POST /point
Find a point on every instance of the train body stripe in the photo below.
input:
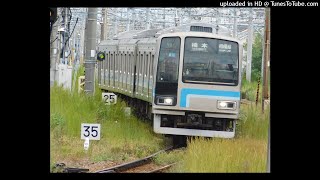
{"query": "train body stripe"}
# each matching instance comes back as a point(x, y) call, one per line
point(187, 93)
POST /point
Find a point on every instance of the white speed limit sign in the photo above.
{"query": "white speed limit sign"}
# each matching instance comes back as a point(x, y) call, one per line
point(109, 98)
point(91, 131)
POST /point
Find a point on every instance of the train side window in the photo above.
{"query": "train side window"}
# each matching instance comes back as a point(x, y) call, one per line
point(111, 57)
point(129, 61)
point(124, 69)
point(111, 69)
point(117, 62)
point(152, 65)
point(137, 71)
point(147, 69)
point(140, 71)
point(143, 67)
point(106, 67)
point(130, 68)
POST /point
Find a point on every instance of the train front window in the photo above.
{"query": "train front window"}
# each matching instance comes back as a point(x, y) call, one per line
point(168, 62)
point(167, 71)
point(212, 61)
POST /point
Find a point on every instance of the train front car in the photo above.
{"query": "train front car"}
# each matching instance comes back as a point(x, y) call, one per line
point(197, 84)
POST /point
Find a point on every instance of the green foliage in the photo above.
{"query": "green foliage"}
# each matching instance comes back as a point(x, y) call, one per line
point(68, 109)
point(56, 120)
point(256, 57)
point(170, 157)
point(257, 52)
point(253, 123)
point(249, 90)
point(224, 155)
point(257, 48)
point(247, 152)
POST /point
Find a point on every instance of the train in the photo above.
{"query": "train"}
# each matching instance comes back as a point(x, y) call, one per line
point(185, 79)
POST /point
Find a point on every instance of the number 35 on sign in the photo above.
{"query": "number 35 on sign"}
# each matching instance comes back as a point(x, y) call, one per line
point(109, 98)
point(91, 131)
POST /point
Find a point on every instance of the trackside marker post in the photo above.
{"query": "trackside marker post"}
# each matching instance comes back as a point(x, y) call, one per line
point(89, 132)
point(86, 144)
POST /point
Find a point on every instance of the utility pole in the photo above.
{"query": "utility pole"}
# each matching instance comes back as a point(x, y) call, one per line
point(164, 18)
point(64, 35)
point(180, 16)
point(235, 23)
point(115, 30)
point(91, 35)
point(176, 19)
point(265, 75)
point(249, 47)
point(53, 52)
point(59, 44)
point(133, 18)
point(262, 62)
point(189, 14)
point(266, 57)
point(128, 19)
point(78, 48)
point(85, 32)
point(120, 19)
point(105, 24)
point(148, 18)
point(102, 25)
point(217, 20)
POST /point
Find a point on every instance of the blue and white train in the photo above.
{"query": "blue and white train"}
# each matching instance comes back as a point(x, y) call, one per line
point(186, 79)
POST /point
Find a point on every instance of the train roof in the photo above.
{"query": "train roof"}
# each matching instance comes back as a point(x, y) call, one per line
point(197, 26)
point(154, 33)
point(137, 34)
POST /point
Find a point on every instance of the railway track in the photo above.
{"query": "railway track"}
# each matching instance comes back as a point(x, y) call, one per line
point(161, 169)
point(138, 165)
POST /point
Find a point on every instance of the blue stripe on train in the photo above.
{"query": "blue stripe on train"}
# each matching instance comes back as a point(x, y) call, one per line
point(204, 92)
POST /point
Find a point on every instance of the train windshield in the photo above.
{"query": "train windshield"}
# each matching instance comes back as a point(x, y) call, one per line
point(168, 62)
point(211, 61)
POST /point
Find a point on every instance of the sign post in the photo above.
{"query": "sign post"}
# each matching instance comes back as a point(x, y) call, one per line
point(109, 98)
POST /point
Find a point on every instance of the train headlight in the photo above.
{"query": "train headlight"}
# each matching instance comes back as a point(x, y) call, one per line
point(168, 101)
point(229, 105)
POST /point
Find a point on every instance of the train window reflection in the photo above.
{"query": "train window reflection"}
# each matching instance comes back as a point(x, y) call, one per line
point(168, 62)
point(209, 60)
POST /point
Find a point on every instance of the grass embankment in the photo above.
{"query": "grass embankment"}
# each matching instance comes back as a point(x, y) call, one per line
point(123, 137)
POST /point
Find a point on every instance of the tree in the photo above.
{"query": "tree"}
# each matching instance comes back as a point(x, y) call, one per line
point(256, 57)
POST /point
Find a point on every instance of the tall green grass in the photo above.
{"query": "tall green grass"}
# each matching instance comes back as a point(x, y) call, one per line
point(225, 155)
point(247, 152)
point(122, 137)
point(125, 138)
point(253, 123)
point(249, 90)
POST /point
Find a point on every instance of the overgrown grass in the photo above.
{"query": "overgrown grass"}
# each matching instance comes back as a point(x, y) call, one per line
point(253, 123)
point(170, 157)
point(122, 137)
point(225, 155)
point(125, 138)
point(249, 90)
point(247, 152)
